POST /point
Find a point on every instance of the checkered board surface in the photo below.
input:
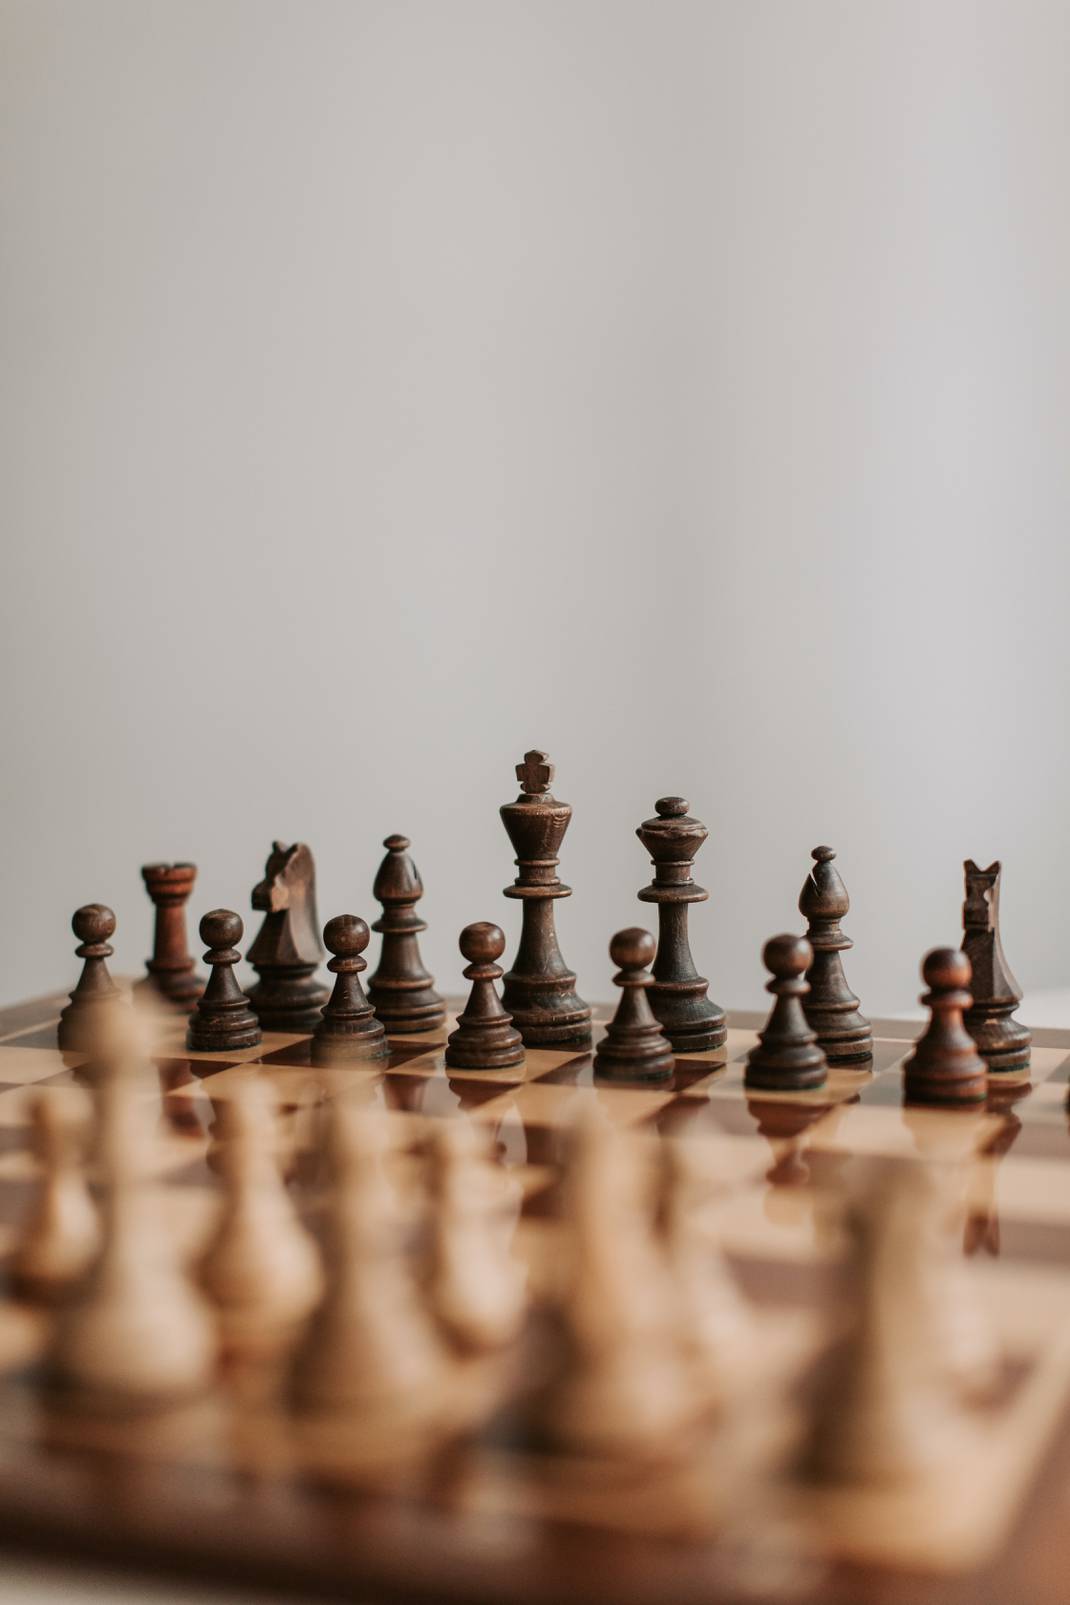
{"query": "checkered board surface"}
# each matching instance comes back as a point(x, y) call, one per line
point(782, 1162)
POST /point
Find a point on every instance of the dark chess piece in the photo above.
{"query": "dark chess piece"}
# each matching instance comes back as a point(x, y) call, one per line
point(170, 970)
point(81, 1023)
point(540, 990)
point(401, 990)
point(945, 1066)
point(286, 952)
point(484, 1038)
point(678, 993)
point(1002, 1040)
point(787, 1057)
point(348, 1029)
point(633, 1048)
point(831, 1008)
point(222, 1020)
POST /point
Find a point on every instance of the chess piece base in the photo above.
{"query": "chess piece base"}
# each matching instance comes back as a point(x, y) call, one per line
point(223, 1038)
point(463, 1054)
point(363, 1047)
point(694, 1041)
point(842, 1039)
point(537, 1031)
point(797, 1070)
point(690, 1020)
point(857, 1054)
point(1003, 1042)
point(951, 1091)
point(285, 1001)
point(642, 1056)
point(407, 1014)
point(557, 1020)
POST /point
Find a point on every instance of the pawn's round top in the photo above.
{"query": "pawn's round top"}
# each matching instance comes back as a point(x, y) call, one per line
point(396, 843)
point(945, 968)
point(221, 927)
point(787, 956)
point(93, 922)
point(633, 949)
point(346, 935)
point(823, 855)
point(671, 807)
point(482, 943)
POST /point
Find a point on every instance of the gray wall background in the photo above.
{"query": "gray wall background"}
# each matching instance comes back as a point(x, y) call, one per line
point(389, 387)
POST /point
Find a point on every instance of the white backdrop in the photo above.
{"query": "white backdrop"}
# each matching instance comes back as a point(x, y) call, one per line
point(389, 387)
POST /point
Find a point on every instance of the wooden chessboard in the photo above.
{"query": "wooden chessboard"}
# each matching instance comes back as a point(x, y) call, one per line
point(225, 1491)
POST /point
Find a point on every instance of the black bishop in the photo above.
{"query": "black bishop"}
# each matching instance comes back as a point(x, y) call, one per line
point(831, 1008)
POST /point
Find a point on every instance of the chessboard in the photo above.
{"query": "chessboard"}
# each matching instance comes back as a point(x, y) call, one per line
point(224, 1489)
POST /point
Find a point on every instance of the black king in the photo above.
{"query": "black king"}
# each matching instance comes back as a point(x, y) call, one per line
point(690, 1019)
point(540, 990)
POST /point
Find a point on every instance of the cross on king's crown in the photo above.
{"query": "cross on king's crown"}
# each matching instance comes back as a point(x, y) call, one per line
point(535, 773)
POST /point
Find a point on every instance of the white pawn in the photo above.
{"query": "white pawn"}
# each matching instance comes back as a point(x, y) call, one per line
point(63, 1230)
point(477, 1288)
point(967, 1351)
point(261, 1268)
point(713, 1325)
point(371, 1348)
point(882, 1415)
point(138, 1333)
point(622, 1385)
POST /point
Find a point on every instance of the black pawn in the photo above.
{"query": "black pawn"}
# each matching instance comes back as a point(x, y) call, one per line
point(401, 990)
point(222, 1020)
point(484, 1038)
point(80, 1022)
point(633, 1048)
point(787, 1057)
point(945, 1066)
point(348, 1029)
point(831, 1008)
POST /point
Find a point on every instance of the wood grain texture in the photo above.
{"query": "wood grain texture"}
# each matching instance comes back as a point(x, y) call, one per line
point(229, 1499)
